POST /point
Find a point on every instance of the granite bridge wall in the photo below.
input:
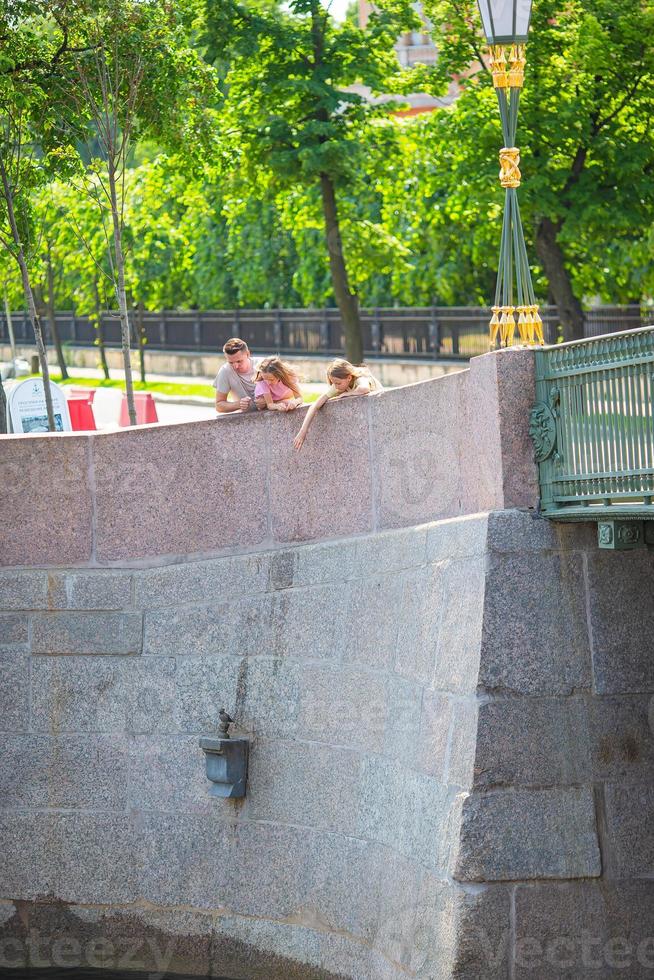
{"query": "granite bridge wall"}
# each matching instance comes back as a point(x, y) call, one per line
point(449, 701)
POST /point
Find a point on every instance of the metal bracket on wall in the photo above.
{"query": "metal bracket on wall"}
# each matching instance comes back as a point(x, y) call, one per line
point(227, 765)
point(625, 535)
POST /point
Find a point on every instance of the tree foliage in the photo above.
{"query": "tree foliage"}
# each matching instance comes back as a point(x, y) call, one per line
point(239, 121)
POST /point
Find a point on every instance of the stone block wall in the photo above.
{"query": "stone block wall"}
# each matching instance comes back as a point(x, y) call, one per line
point(346, 665)
point(443, 448)
point(450, 771)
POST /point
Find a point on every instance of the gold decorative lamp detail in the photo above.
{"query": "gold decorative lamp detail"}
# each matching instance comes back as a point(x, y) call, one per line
point(506, 26)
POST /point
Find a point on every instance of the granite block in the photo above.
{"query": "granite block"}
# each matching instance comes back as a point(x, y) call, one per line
point(81, 694)
point(457, 537)
point(301, 783)
point(380, 807)
point(419, 628)
point(511, 835)
point(479, 437)
point(71, 633)
point(146, 477)
point(497, 464)
point(268, 697)
point(269, 866)
point(95, 858)
point(345, 881)
point(483, 935)
point(72, 772)
point(420, 932)
point(23, 590)
point(535, 637)
point(192, 630)
point(402, 727)
point(167, 773)
point(435, 724)
point(372, 621)
point(532, 742)
point(417, 467)
point(394, 938)
point(13, 630)
point(28, 862)
point(463, 743)
point(201, 581)
point(90, 590)
point(307, 623)
point(78, 695)
point(282, 566)
point(389, 551)
point(331, 561)
point(459, 639)
point(426, 822)
point(342, 706)
point(581, 930)
point(621, 731)
point(516, 391)
point(343, 958)
point(14, 692)
point(630, 829)
point(184, 859)
point(60, 463)
point(204, 686)
point(304, 507)
point(621, 613)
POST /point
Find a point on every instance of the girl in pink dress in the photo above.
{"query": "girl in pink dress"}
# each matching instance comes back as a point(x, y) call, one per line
point(277, 384)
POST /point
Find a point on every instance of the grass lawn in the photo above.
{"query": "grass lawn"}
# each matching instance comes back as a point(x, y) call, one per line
point(155, 387)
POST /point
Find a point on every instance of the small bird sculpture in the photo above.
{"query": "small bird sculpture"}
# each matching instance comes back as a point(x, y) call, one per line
point(225, 722)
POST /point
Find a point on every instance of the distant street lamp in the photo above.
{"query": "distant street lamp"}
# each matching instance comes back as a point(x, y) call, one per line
point(506, 25)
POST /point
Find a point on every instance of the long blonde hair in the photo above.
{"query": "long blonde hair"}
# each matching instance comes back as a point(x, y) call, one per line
point(280, 370)
point(340, 368)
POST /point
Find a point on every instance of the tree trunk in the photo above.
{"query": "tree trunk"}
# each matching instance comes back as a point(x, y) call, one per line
point(19, 255)
point(347, 301)
point(100, 331)
point(4, 427)
point(10, 329)
point(142, 339)
point(52, 319)
point(121, 296)
point(551, 257)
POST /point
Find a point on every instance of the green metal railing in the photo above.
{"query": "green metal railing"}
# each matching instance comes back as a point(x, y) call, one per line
point(593, 428)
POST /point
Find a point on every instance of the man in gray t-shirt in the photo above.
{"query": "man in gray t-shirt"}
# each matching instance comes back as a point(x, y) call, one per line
point(237, 376)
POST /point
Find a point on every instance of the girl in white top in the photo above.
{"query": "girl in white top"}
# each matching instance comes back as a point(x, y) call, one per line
point(344, 379)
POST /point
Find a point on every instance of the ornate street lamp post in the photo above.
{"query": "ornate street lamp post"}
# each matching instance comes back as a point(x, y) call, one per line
point(506, 25)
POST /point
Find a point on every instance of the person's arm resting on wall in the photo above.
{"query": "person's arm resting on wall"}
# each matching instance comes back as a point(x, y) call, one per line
point(224, 406)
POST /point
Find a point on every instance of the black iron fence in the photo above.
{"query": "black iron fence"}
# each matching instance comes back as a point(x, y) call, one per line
point(427, 332)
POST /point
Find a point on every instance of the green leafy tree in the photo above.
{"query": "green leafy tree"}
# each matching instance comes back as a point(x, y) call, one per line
point(37, 40)
point(585, 128)
point(139, 76)
point(291, 109)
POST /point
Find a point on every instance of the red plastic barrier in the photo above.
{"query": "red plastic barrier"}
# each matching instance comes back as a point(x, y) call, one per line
point(82, 418)
point(146, 410)
point(88, 393)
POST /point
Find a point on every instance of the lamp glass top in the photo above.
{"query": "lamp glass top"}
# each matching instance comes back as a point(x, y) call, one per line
point(505, 21)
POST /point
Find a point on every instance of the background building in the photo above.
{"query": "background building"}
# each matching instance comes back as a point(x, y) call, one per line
point(414, 47)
